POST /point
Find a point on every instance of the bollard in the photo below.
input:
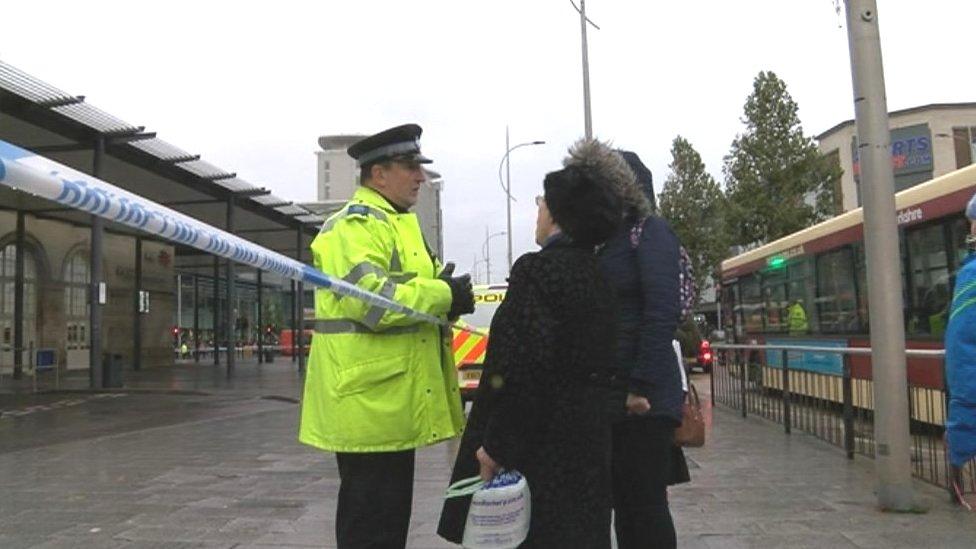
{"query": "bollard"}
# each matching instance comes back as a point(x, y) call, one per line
point(787, 420)
point(848, 408)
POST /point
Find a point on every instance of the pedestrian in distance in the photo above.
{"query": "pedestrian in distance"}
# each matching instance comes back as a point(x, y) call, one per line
point(381, 384)
point(960, 361)
point(538, 409)
point(642, 264)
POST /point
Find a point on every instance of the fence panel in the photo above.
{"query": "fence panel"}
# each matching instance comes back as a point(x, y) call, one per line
point(838, 409)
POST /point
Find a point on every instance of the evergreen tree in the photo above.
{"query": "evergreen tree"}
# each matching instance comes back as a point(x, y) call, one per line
point(777, 182)
point(692, 203)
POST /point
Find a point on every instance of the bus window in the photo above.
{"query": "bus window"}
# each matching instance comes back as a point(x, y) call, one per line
point(775, 304)
point(802, 288)
point(836, 305)
point(861, 270)
point(751, 304)
point(929, 280)
point(732, 321)
point(958, 229)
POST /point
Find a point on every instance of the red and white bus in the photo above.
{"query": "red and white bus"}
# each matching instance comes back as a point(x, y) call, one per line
point(822, 268)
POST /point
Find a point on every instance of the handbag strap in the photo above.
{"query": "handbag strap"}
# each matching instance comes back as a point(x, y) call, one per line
point(693, 395)
point(464, 487)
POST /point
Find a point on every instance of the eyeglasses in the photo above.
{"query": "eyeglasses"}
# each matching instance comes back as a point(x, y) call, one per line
point(539, 200)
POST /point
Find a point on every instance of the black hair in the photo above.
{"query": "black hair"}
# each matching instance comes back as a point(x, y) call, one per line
point(585, 207)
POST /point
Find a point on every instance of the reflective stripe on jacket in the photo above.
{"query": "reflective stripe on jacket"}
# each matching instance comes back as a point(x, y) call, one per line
point(378, 381)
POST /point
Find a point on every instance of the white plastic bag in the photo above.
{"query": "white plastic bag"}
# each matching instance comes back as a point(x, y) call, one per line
point(500, 510)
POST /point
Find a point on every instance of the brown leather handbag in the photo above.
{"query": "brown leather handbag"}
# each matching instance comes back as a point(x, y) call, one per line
point(691, 432)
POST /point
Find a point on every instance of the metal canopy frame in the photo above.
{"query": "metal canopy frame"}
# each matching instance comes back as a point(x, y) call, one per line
point(81, 124)
point(42, 118)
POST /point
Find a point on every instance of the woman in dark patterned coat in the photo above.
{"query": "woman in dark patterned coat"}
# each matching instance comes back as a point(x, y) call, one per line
point(538, 409)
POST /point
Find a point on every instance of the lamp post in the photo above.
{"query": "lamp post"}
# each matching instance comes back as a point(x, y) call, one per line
point(507, 186)
point(486, 252)
point(475, 272)
point(587, 120)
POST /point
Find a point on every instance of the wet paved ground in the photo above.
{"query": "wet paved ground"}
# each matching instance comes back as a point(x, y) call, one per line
point(184, 458)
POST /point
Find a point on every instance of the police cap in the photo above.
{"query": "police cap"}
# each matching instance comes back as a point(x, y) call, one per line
point(399, 143)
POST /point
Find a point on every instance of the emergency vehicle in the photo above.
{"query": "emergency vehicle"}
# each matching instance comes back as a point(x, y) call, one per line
point(469, 349)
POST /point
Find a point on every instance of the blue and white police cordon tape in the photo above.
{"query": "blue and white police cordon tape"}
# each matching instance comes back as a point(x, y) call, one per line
point(25, 171)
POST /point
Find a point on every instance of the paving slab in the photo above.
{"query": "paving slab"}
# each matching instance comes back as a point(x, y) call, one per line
point(224, 469)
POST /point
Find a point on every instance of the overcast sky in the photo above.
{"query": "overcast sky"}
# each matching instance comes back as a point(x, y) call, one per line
point(251, 85)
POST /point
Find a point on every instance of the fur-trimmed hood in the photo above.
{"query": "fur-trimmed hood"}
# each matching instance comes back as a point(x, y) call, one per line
point(608, 163)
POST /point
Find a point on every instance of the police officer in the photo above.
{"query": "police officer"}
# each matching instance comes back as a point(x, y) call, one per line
point(797, 318)
point(381, 384)
point(960, 363)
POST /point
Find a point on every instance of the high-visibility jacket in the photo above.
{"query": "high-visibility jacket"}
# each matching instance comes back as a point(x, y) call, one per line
point(378, 381)
point(797, 320)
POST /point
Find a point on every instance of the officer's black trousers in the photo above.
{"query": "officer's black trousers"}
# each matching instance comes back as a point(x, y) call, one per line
point(375, 494)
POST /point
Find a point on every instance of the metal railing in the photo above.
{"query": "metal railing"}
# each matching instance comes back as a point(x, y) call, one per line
point(837, 407)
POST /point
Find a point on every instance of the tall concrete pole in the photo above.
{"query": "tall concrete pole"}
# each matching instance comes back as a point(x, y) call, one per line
point(587, 120)
point(891, 417)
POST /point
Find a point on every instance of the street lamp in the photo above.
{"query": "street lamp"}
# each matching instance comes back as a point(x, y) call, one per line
point(587, 120)
point(486, 252)
point(507, 187)
point(475, 271)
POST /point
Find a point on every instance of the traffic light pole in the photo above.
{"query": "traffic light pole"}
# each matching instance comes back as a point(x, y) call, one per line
point(891, 417)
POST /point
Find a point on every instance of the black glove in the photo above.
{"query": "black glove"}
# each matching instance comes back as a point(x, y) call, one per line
point(462, 298)
point(447, 271)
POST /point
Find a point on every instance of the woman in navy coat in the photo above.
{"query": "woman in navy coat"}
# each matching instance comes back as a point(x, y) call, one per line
point(641, 263)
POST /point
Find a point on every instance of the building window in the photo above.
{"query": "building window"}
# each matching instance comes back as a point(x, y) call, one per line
point(8, 263)
point(76, 278)
point(833, 158)
point(964, 142)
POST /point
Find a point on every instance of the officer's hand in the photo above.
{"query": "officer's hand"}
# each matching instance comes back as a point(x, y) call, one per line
point(462, 297)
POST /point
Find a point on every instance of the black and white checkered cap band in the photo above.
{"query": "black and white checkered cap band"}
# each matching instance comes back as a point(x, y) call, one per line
point(389, 151)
